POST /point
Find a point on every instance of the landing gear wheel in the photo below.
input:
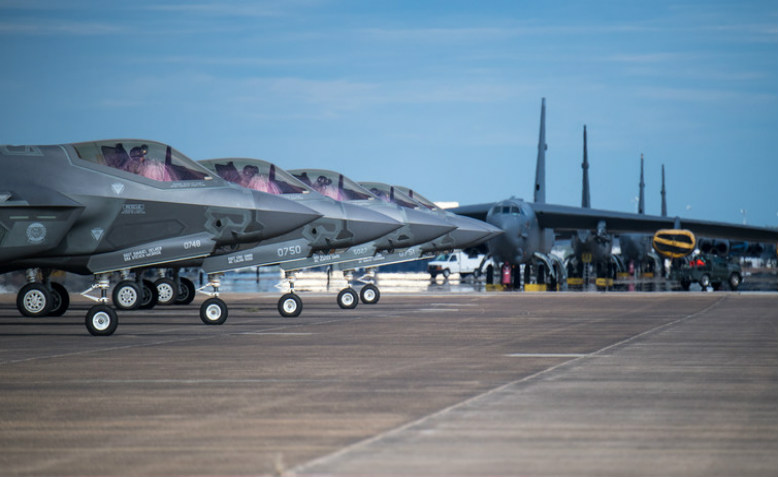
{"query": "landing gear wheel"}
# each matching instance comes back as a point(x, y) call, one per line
point(186, 292)
point(60, 300)
point(149, 295)
point(213, 311)
point(734, 281)
point(166, 290)
point(348, 298)
point(290, 305)
point(369, 294)
point(34, 300)
point(704, 281)
point(101, 320)
point(126, 295)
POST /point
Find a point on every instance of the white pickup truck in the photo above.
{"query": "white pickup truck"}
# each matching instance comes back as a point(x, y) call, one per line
point(457, 262)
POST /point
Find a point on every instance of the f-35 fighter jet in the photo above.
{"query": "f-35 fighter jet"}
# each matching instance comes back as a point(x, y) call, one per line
point(117, 206)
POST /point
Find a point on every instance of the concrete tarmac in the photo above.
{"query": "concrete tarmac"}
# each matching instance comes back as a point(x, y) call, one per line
point(433, 384)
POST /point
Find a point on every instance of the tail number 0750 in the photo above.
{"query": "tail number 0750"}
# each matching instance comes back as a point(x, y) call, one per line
point(290, 251)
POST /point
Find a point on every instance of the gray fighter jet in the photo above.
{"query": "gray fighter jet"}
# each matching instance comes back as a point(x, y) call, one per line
point(530, 226)
point(118, 206)
point(466, 233)
point(418, 228)
point(342, 225)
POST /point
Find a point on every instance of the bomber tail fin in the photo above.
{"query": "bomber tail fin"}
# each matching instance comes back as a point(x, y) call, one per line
point(642, 197)
point(664, 196)
point(540, 169)
point(585, 198)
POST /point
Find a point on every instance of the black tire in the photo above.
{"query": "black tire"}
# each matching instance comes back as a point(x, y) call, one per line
point(705, 281)
point(166, 291)
point(186, 292)
point(734, 281)
point(213, 311)
point(60, 299)
point(348, 299)
point(34, 300)
point(685, 284)
point(369, 294)
point(149, 295)
point(446, 273)
point(126, 295)
point(101, 320)
point(290, 305)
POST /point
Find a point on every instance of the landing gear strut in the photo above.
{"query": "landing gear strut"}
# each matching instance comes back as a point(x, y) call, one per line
point(290, 305)
point(213, 311)
point(101, 319)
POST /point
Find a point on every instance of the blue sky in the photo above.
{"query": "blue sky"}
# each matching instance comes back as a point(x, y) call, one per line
point(441, 96)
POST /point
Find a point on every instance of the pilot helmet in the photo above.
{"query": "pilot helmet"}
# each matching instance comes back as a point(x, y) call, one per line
point(138, 152)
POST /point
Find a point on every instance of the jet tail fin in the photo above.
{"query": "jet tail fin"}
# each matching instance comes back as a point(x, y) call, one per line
point(540, 169)
point(585, 198)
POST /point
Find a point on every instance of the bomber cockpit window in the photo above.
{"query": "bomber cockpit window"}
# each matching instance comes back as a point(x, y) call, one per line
point(149, 159)
point(258, 175)
point(332, 184)
point(506, 209)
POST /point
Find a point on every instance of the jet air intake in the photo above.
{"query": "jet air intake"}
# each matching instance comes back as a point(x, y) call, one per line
point(674, 243)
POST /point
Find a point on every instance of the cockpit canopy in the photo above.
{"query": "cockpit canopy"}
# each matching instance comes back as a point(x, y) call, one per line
point(149, 159)
point(332, 184)
point(256, 174)
point(425, 202)
point(389, 193)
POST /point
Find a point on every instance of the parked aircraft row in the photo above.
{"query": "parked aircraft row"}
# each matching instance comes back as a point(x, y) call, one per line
point(126, 206)
point(123, 207)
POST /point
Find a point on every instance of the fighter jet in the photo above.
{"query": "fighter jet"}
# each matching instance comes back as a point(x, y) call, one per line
point(118, 206)
point(419, 227)
point(341, 225)
point(530, 226)
point(468, 232)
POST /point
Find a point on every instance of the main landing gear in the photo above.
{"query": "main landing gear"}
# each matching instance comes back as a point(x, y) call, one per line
point(42, 297)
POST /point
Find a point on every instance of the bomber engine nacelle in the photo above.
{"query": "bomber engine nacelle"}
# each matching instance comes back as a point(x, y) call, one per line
point(715, 246)
point(674, 243)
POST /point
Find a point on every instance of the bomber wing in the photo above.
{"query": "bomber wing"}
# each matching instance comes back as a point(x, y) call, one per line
point(476, 211)
point(564, 218)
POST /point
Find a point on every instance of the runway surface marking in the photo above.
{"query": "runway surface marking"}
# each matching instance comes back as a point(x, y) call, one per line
point(300, 469)
point(546, 355)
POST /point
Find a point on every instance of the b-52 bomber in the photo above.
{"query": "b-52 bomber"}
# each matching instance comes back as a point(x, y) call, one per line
point(530, 227)
point(119, 206)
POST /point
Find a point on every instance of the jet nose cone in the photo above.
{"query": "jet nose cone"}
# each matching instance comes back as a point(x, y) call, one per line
point(471, 232)
point(279, 215)
point(425, 227)
point(366, 224)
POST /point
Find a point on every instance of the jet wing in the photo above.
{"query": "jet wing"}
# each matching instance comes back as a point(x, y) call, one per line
point(565, 218)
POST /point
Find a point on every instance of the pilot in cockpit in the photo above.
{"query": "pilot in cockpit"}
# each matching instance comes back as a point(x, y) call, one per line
point(145, 166)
